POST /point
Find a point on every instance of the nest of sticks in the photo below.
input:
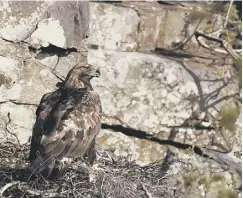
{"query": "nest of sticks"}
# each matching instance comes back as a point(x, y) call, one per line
point(107, 178)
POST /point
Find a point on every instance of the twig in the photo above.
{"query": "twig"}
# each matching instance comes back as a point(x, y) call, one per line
point(72, 186)
point(227, 16)
point(149, 195)
point(238, 50)
point(218, 40)
point(101, 187)
point(189, 38)
point(60, 77)
point(226, 160)
point(6, 127)
point(8, 185)
point(33, 192)
point(18, 103)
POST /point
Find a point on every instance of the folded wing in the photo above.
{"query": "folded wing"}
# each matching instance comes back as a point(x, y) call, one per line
point(67, 122)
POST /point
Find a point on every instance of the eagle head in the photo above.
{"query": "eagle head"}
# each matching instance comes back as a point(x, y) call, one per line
point(80, 76)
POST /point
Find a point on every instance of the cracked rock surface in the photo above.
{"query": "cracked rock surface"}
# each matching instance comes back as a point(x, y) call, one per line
point(154, 94)
point(43, 23)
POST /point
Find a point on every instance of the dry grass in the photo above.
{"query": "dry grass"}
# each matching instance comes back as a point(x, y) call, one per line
point(108, 178)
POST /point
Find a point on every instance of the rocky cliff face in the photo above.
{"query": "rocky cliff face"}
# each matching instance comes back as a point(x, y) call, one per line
point(37, 47)
point(137, 26)
point(162, 101)
point(150, 92)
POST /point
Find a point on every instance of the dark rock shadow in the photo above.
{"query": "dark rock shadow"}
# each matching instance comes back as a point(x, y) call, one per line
point(144, 135)
point(206, 101)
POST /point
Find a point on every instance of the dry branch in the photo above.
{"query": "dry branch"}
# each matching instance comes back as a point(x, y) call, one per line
point(8, 185)
point(149, 195)
point(189, 38)
point(225, 160)
point(227, 49)
point(227, 16)
point(11, 133)
point(19, 102)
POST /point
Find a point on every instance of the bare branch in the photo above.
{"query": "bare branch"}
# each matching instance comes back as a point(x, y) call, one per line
point(189, 38)
point(19, 102)
point(225, 44)
point(6, 128)
point(8, 185)
point(149, 195)
point(227, 16)
point(225, 160)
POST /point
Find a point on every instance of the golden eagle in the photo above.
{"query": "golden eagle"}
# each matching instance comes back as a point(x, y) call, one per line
point(67, 122)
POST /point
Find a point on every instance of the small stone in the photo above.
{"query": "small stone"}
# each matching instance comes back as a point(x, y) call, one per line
point(206, 124)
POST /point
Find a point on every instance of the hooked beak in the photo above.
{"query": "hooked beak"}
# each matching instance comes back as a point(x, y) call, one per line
point(94, 72)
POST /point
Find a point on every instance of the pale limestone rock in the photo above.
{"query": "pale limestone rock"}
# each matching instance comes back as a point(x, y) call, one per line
point(14, 51)
point(44, 23)
point(46, 74)
point(132, 148)
point(127, 72)
point(137, 26)
point(113, 27)
point(49, 31)
point(65, 63)
point(27, 84)
point(16, 25)
point(136, 89)
point(12, 94)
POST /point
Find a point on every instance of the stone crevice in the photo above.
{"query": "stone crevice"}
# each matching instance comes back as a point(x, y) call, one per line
point(19, 103)
point(222, 158)
point(146, 136)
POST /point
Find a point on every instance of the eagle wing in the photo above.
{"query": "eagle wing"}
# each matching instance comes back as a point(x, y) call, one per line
point(48, 100)
point(67, 122)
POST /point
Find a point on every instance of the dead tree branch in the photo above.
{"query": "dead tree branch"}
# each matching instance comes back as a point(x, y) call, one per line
point(6, 128)
point(4, 188)
point(228, 49)
point(225, 160)
point(19, 103)
point(148, 194)
point(189, 38)
point(227, 16)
